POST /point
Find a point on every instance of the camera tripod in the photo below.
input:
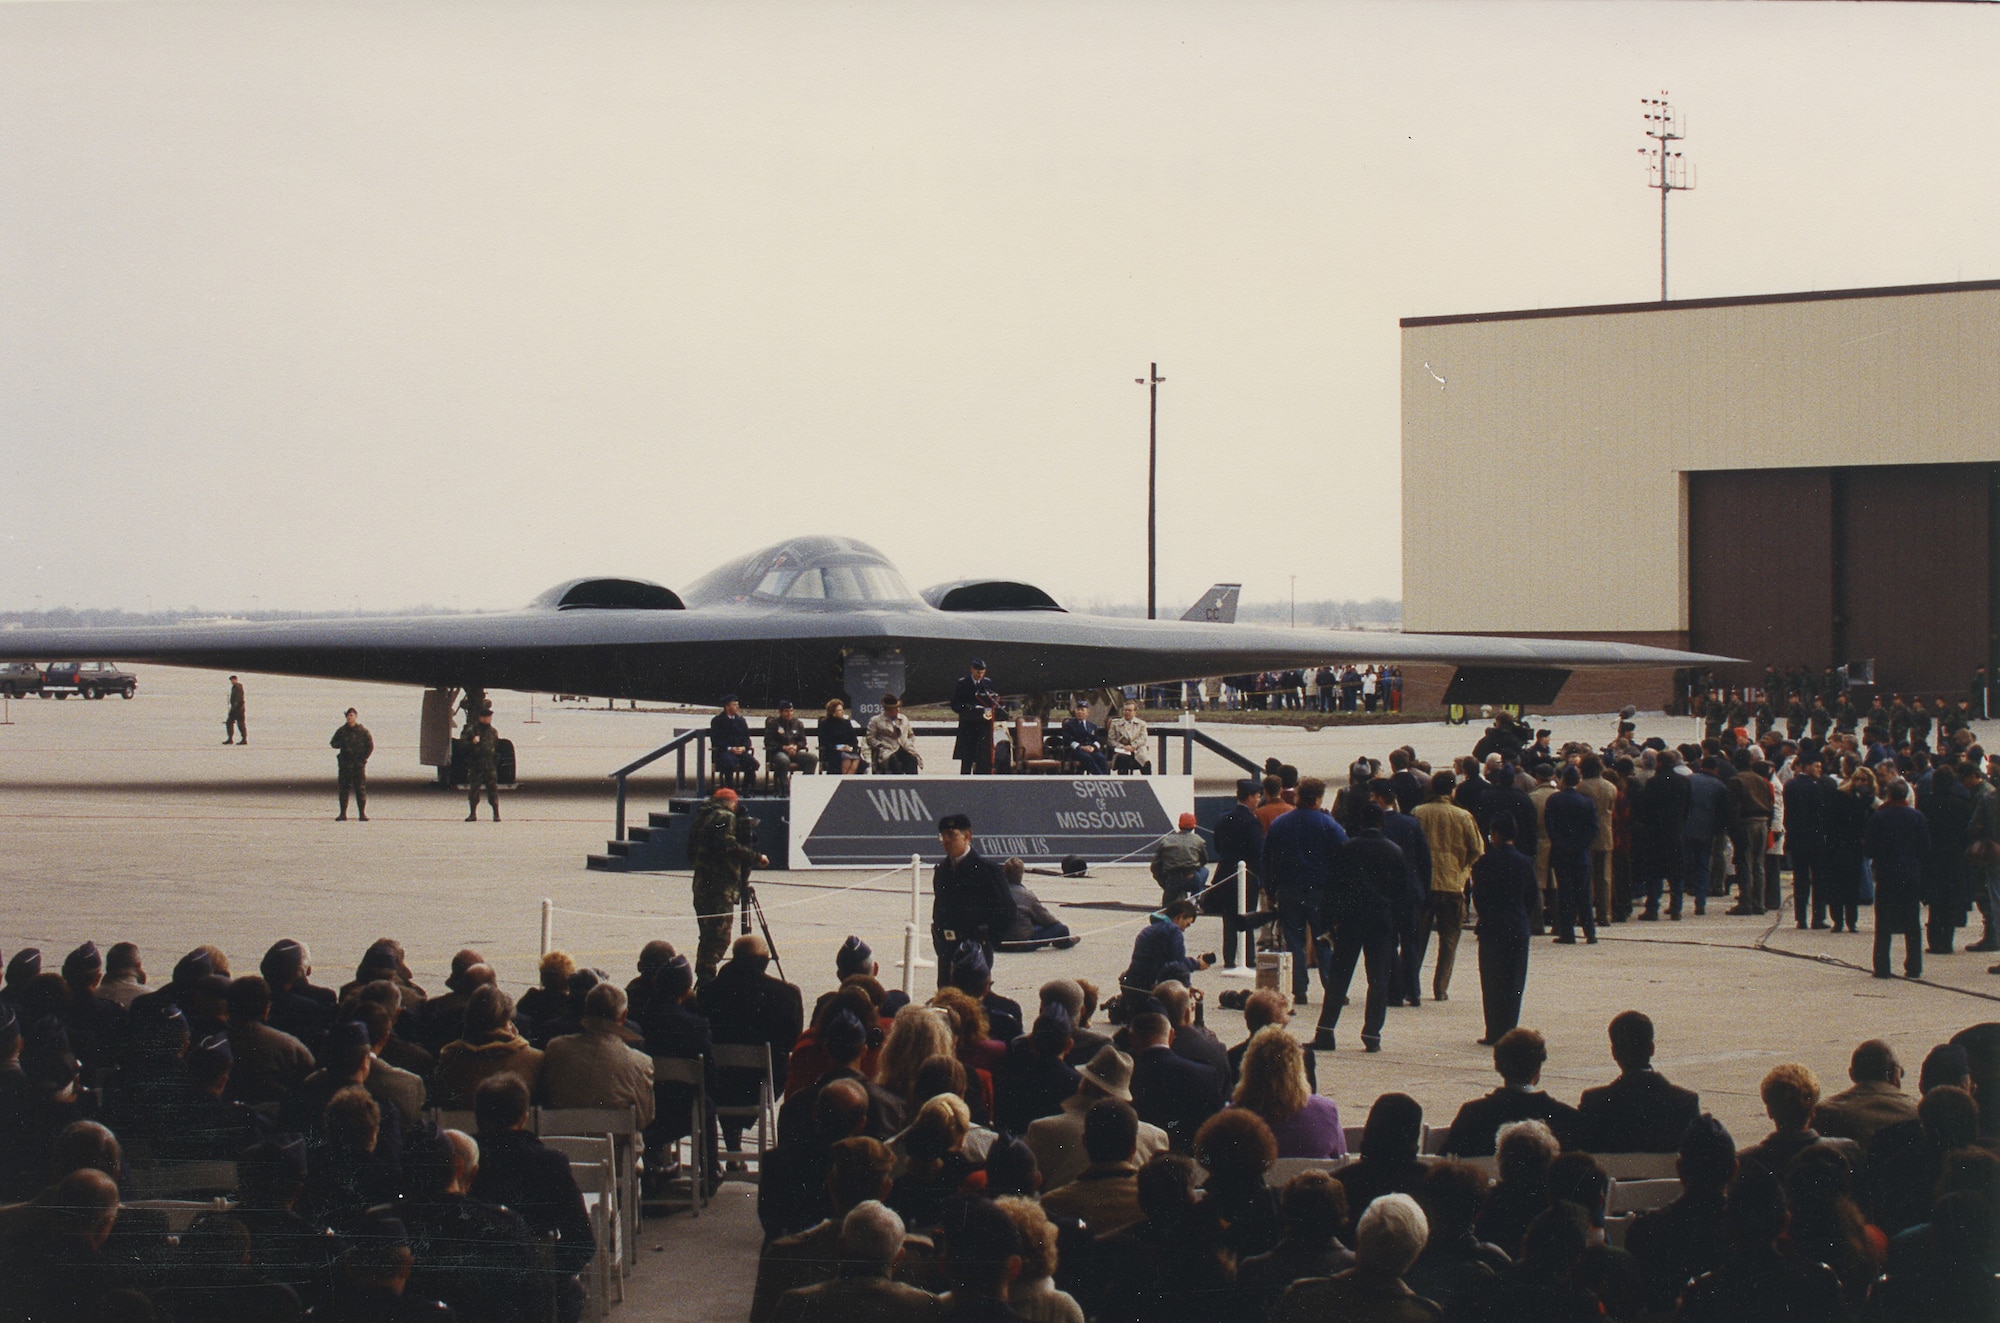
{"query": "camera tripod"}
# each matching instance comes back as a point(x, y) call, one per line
point(752, 904)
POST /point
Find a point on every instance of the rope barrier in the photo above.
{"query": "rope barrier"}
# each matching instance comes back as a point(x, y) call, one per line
point(826, 894)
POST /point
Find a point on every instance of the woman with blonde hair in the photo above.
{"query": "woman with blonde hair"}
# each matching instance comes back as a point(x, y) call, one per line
point(1273, 1085)
point(917, 1034)
point(937, 1166)
point(983, 1055)
point(1033, 1295)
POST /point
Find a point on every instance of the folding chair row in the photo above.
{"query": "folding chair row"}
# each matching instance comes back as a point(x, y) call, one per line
point(598, 1182)
point(691, 1074)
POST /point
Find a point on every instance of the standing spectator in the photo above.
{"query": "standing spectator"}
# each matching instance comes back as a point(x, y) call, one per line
point(1946, 804)
point(1806, 806)
point(1239, 843)
point(1455, 844)
point(1703, 830)
point(1505, 895)
point(969, 900)
point(1572, 823)
point(1896, 840)
point(1982, 854)
point(1750, 808)
point(1364, 908)
point(1846, 843)
point(1602, 791)
point(1407, 834)
point(1299, 853)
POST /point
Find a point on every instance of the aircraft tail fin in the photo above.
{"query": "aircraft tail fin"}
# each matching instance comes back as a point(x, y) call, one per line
point(1217, 604)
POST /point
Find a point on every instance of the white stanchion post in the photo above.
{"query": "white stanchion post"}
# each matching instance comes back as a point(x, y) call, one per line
point(912, 962)
point(1239, 969)
point(548, 925)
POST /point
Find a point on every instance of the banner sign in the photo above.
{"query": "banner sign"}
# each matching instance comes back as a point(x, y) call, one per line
point(880, 821)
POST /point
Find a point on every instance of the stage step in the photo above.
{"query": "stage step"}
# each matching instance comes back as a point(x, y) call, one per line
point(661, 845)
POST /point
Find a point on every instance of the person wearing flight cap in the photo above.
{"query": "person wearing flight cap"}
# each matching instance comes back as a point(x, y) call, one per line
point(729, 742)
point(855, 957)
point(977, 702)
point(1180, 862)
point(94, 1022)
point(213, 1128)
point(969, 900)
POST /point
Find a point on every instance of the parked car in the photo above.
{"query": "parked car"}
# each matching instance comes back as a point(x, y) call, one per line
point(88, 679)
point(20, 678)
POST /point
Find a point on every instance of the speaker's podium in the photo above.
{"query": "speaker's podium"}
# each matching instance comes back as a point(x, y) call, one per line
point(881, 821)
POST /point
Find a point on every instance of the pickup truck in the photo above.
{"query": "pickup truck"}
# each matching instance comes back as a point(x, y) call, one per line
point(88, 679)
point(20, 678)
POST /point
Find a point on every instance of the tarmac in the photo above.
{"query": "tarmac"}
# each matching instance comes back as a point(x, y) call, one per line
point(129, 820)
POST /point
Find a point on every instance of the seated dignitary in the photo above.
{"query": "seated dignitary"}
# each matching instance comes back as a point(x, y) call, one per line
point(1518, 1057)
point(1639, 1112)
point(1084, 743)
point(785, 745)
point(1058, 1141)
point(862, 1289)
point(892, 740)
point(1127, 738)
point(839, 740)
point(729, 740)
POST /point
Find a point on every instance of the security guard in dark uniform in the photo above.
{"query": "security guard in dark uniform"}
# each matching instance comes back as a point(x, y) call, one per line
point(482, 769)
point(969, 898)
point(353, 744)
point(977, 703)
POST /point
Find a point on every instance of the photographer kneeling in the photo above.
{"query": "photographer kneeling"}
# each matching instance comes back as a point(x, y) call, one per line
point(1159, 952)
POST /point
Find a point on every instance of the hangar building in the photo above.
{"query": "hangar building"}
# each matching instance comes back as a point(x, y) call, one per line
point(1789, 478)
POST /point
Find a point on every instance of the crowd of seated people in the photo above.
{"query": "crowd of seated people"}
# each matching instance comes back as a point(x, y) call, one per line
point(962, 1155)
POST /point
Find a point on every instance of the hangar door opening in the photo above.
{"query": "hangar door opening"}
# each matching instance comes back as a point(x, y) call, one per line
point(1822, 566)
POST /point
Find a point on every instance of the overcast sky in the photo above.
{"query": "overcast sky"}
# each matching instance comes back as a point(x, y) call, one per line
point(336, 306)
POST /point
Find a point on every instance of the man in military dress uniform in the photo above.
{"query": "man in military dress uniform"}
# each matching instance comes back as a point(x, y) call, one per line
point(786, 746)
point(970, 902)
point(719, 856)
point(977, 703)
point(232, 725)
point(353, 744)
point(482, 769)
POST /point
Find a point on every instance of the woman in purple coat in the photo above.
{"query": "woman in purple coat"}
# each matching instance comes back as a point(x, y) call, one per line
point(1273, 1085)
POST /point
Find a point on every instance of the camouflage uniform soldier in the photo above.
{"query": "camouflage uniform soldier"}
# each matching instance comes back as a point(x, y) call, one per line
point(354, 744)
point(233, 723)
point(482, 750)
point(719, 857)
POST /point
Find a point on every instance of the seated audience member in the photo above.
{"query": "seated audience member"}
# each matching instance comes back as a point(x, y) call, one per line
point(942, 1075)
point(1678, 1243)
point(973, 975)
point(348, 1169)
point(385, 961)
point(1313, 1210)
point(57, 1268)
point(94, 1022)
point(371, 1281)
point(476, 1257)
point(1268, 1006)
point(1758, 1279)
point(1035, 1078)
point(544, 1007)
point(1304, 1124)
point(1388, 1237)
point(1159, 952)
point(491, 1046)
point(1875, 1100)
point(1518, 1057)
point(937, 1166)
point(1905, 1160)
point(270, 1063)
point(1456, 1265)
point(517, 1171)
point(1068, 993)
point(839, 741)
point(1008, 1169)
point(599, 1067)
point(405, 1065)
point(1606, 1271)
point(211, 1127)
point(791, 1187)
point(863, 1288)
point(124, 975)
point(1958, 1281)
point(298, 1007)
point(287, 1247)
point(844, 1040)
point(643, 988)
point(1171, 1266)
point(1389, 1143)
point(1827, 1225)
point(1790, 1093)
point(1526, 1150)
point(858, 1171)
point(1193, 1040)
point(1168, 1090)
point(1104, 1196)
point(1236, 1150)
point(1639, 1112)
point(1059, 1141)
point(1032, 1294)
point(745, 1004)
point(1542, 1286)
point(974, 1045)
point(1035, 925)
point(443, 1018)
point(917, 1034)
point(982, 1258)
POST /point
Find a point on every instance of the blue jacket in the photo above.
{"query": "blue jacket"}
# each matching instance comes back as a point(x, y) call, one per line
point(1299, 851)
point(1408, 835)
point(1159, 953)
point(1708, 808)
point(1570, 817)
point(1239, 837)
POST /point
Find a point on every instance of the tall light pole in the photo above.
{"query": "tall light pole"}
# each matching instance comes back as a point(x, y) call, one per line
point(1152, 382)
point(1666, 170)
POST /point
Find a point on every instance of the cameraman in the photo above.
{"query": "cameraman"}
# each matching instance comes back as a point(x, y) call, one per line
point(1159, 952)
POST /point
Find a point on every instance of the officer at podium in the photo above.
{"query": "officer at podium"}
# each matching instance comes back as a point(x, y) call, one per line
point(977, 703)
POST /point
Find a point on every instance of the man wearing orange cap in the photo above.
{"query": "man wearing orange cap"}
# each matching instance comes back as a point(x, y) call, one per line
point(718, 859)
point(1180, 862)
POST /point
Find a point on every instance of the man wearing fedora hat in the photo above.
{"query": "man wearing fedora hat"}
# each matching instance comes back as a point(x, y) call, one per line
point(1057, 1140)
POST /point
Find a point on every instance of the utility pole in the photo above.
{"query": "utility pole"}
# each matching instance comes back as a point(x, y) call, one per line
point(1666, 169)
point(1152, 382)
